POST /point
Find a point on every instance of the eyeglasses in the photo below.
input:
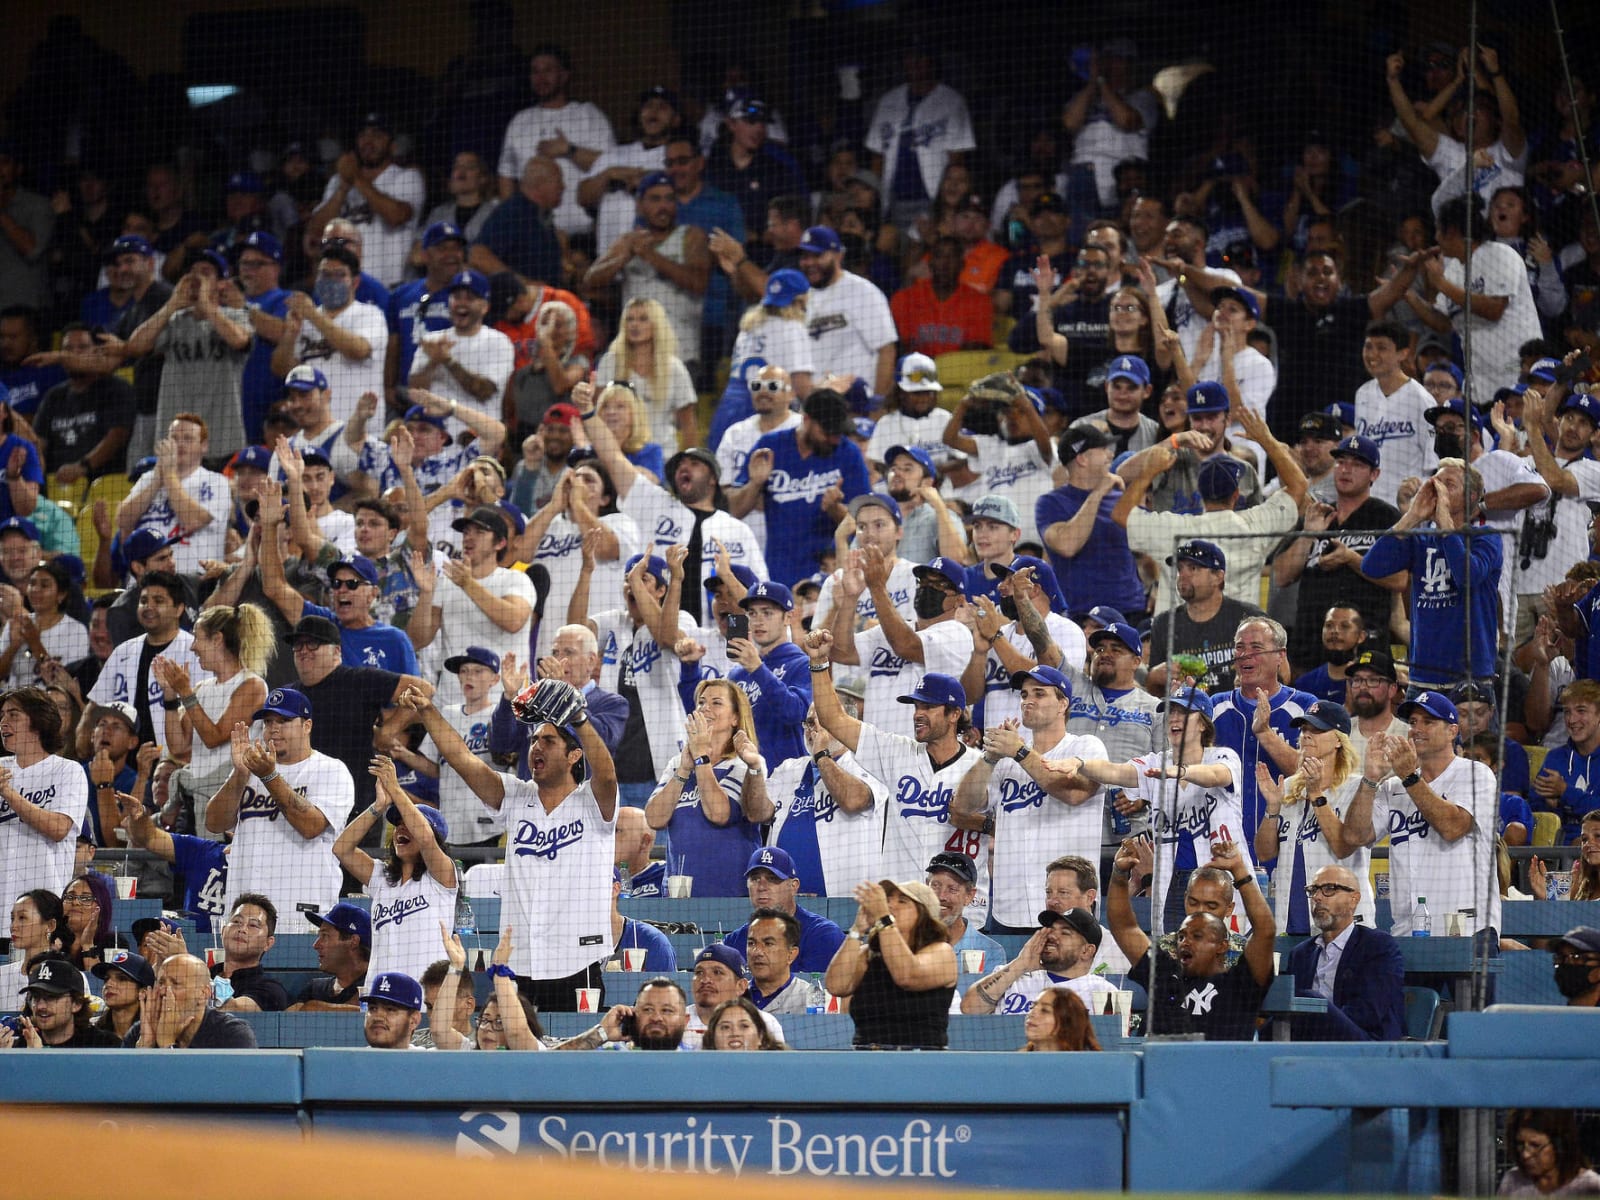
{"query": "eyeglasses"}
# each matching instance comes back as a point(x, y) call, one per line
point(1326, 889)
point(79, 899)
point(346, 584)
point(495, 1026)
point(1127, 308)
point(769, 385)
point(680, 160)
point(1084, 261)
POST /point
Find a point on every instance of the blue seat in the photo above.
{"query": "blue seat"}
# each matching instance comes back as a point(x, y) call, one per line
point(1424, 1014)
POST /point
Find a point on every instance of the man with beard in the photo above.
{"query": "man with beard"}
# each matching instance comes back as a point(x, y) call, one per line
point(469, 365)
point(927, 526)
point(394, 1010)
point(1059, 954)
point(1356, 969)
point(656, 1020)
point(83, 423)
point(614, 176)
point(1343, 635)
point(1202, 626)
point(55, 1013)
point(687, 515)
point(1372, 690)
point(941, 313)
point(1577, 966)
point(1188, 303)
point(1319, 337)
point(851, 325)
point(1072, 325)
point(444, 254)
point(369, 188)
point(1328, 569)
point(1107, 702)
point(1021, 628)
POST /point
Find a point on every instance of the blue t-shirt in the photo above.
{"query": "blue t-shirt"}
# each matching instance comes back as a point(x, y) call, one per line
point(1232, 716)
point(1586, 664)
point(28, 385)
point(779, 691)
point(1583, 786)
point(520, 235)
point(659, 956)
point(123, 782)
point(32, 469)
point(652, 881)
point(714, 855)
point(260, 386)
point(97, 311)
point(371, 291)
point(820, 940)
point(650, 457)
point(378, 645)
point(798, 531)
point(1321, 685)
point(1514, 810)
point(981, 583)
point(712, 209)
point(204, 867)
point(798, 837)
point(1440, 608)
point(405, 307)
point(1111, 577)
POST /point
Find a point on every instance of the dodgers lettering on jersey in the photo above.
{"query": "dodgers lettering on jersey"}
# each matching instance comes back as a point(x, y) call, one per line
point(916, 800)
point(640, 659)
point(546, 843)
point(885, 662)
point(918, 137)
point(1002, 476)
point(1403, 827)
point(257, 801)
point(42, 798)
point(1112, 715)
point(1015, 796)
point(394, 914)
point(785, 488)
point(1386, 430)
point(553, 545)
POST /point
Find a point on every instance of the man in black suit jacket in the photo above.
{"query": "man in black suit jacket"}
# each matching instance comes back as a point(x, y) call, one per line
point(575, 657)
point(1364, 981)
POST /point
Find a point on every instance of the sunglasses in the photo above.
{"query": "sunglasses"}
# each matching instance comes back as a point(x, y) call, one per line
point(920, 375)
point(769, 385)
point(346, 584)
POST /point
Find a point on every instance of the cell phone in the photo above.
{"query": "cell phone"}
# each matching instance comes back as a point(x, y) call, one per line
point(629, 1026)
point(738, 626)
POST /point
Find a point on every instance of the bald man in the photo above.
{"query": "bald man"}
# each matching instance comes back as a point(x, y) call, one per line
point(520, 234)
point(180, 1013)
point(635, 840)
point(1356, 969)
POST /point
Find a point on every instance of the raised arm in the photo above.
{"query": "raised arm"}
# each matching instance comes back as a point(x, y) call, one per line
point(1130, 939)
point(1263, 929)
point(840, 724)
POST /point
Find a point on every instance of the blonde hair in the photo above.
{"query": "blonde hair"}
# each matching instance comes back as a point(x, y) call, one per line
point(1345, 762)
point(743, 718)
point(639, 428)
point(246, 633)
point(664, 347)
point(795, 310)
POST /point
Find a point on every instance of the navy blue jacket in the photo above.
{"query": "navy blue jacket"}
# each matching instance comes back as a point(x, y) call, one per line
point(1368, 1002)
point(608, 713)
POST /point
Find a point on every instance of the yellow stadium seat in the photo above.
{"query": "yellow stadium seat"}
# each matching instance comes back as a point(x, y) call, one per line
point(113, 489)
point(68, 495)
point(1536, 760)
point(959, 369)
point(1547, 829)
point(89, 546)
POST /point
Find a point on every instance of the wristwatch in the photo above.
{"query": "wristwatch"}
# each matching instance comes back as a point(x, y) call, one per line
point(1411, 780)
point(1022, 754)
point(1319, 802)
point(820, 755)
point(882, 923)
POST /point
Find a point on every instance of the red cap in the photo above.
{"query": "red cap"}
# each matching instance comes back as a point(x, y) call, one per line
point(561, 414)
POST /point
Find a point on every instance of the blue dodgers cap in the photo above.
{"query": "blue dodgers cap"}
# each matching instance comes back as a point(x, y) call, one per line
point(1207, 396)
point(417, 413)
point(819, 239)
point(216, 258)
point(748, 108)
point(305, 378)
point(771, 858)
point(651, 179)
point(442, 231)
point(950, 570)
point(771, 593)
point(143, 543)
point(1345, 410)
point(784, 288)
point(396, 988)
point(1129, 366)
point(481, 655)
point(1201, 554)
point(347, 918)
point(1048, 676)
point(1457, 405)
point(922, 458)
point(876, 500)
point(1362, 448)
point(1324, 715)
point(1450, 369)
point(1122, 632)
point(135, 966)
point(1435, 704)
point(434, 818)
point(1219, 477)
point(1543, 369)
point(264, 243)
point(284, 702)
point(720, 952)
point(995, 507)
point(934, 688)
point(663, 93)
point(1191, 698)
point(475, 282)
point(1043, 574)
point(253, 458)
point(1104, 614)
point(746, 577)
point(1242, 295)
point(1584, 403)
point(655, 566)
point(363, 567)
point(245, 181)
point(20, 525)
point(130, 243)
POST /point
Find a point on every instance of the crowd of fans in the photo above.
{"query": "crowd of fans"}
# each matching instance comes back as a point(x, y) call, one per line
point(421, 547)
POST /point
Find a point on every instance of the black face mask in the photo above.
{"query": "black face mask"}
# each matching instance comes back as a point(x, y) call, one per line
point(1572, 979)
point(1339, 657)
point(1008, 607)
point(927, 602)
point(1449, 445)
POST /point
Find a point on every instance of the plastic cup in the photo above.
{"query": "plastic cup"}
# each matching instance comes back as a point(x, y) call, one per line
point(1560, 884)
point(680, 887)
point(1124, 1003)
point(215, 956)
point(127, 887)
point(972, 962)
point(633, 959)
point(588, 1000)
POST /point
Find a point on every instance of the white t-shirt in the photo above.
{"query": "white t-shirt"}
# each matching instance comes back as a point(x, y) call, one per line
point(269, 857)
point(462, 623)
point(849, 322)
point(583, 125)
point(849, 844)
point(776, 342)
point(917, 822)
point(1501, 469)
point(1571, 541)
point(1254, 374)
point(1496, 271)
point(1300, 835)
point(560, 553)
point(1405, 439)
point(29, 859)
point(487, 353)
point(902, 584)
point(1102, 143)
point(557, 891)
point(1000, 701)
point(66, 640)
point(1189, 813)
point(734, 449)
point(664, 521)
point(348, 378)
point(338, 527)
point(1022, 994)
point(632, 653)
point(617, 210)
point(469, 818)
point(211, 492)
point(898, 429)
point(1451, 876)
point(405, 923)
point(1185, 322)
point(1449, 162)
point(938, 125)
point(663, 410)
point(384, 247)
point(206, 761)
point(1019, 470)
point(1032, 829)
point(1152, 533)
point(946, 647)
point(121, 671)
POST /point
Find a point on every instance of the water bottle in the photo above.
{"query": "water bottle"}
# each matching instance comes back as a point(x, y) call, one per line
point(467, 925)
point(1120, 825)
point(1421, 921)
point(625, 878)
